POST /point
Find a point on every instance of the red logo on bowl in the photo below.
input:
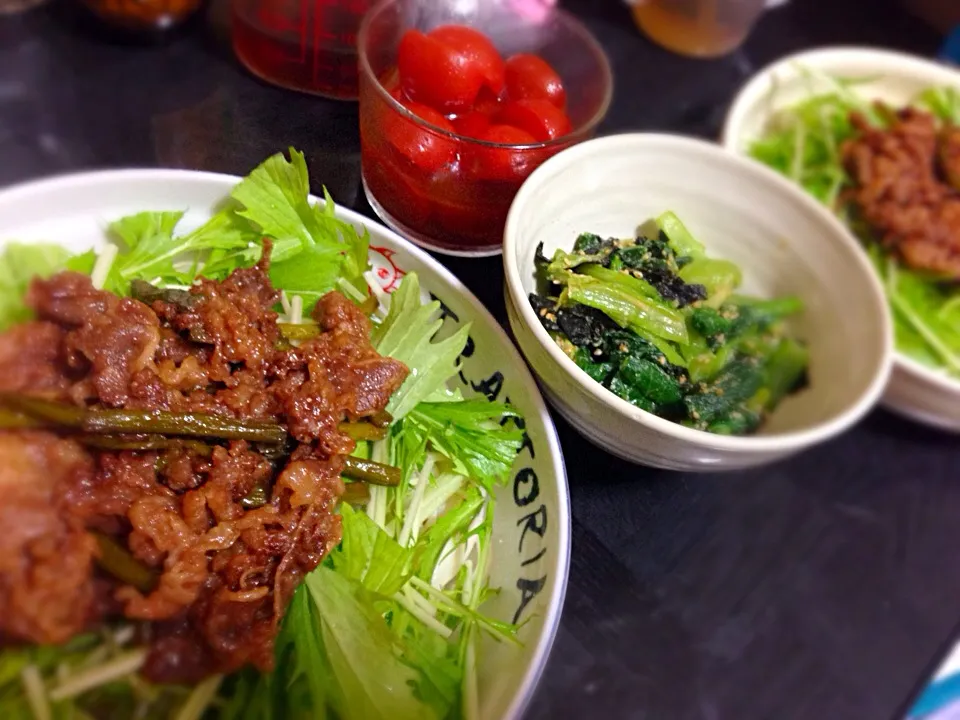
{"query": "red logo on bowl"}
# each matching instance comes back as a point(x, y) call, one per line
point(387, 273)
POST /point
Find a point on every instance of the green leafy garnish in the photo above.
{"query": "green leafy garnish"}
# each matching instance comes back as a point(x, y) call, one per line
point(943, 102)
point(312, 247)
point(367, 679)
point(477, 436)
point(370, 556)
point(18, 265)
point(407, 334)
point(148, 250)
point(86, 677)
point(313, 250)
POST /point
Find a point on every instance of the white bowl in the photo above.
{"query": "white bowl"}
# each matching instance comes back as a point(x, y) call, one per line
point(532, 520)
point(783, 240)
point(915, 390)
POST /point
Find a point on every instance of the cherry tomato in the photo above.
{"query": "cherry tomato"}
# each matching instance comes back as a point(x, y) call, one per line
point(487, 103)
point(540, 118)
point(476, 51)
point(529, 77)
point(502, 163)
point(506, 135)
point(399, 196)
point(435, 75)
point(472, 124)
point(426, 149)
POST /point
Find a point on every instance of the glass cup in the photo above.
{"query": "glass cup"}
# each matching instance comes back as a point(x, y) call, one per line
point(448, 192)
point(305, 45)
point(700, 28)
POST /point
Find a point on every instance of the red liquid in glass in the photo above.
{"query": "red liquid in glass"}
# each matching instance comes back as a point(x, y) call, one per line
point(305, 45)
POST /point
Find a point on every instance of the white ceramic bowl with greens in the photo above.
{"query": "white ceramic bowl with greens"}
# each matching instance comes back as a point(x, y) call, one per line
point(917, 390)
point(784, 243)
point(530, 541)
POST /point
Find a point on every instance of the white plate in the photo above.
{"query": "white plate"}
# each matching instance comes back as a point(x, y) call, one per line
point(532, 522)
point(915, 390)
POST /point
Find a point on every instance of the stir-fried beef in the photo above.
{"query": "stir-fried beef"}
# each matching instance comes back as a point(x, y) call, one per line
point(901, 192)
point(225, 568)
point(46, 585)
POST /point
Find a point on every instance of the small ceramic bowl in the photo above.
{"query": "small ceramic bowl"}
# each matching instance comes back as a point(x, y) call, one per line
point(785, 243)
point(915, 390)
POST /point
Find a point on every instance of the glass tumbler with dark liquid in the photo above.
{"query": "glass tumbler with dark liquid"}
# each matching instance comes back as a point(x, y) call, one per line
point(305, 45)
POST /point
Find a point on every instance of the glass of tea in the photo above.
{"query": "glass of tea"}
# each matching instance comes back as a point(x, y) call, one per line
point(699, 28)
point(460, 102)
point(305, 45)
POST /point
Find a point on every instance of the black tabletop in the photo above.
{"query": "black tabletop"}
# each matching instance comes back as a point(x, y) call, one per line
point(821, 587)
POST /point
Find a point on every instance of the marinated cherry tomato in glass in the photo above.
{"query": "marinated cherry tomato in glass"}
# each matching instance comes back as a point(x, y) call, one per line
point(426, 149)
point(433, 74)
point(476, 51)
point(487, 103)
point(540, 118)
point(529, 77)
point(472, 124)
point(502, 163)
point(406, 188)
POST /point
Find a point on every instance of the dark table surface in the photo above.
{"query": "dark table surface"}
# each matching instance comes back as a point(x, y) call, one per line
point(823, 587)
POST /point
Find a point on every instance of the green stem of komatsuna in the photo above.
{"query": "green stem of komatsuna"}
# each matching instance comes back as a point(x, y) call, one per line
point(627, 309)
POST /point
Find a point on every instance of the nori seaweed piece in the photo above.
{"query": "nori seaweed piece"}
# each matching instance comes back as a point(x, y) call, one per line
point(585, 326)
point(546, 310)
